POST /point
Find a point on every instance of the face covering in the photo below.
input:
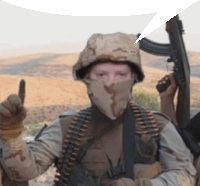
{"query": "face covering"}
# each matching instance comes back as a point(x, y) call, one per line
point(111, 98)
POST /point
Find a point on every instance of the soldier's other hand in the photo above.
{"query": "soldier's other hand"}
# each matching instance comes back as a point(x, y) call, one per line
point(12, 110)
point(167, 86)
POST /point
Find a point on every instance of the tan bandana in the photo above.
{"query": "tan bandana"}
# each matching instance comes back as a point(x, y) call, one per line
point(110, 98)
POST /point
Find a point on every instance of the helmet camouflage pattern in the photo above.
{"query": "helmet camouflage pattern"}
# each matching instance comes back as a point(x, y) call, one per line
point(117, 47)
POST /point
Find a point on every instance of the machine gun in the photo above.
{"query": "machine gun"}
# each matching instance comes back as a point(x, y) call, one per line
point(177, 54)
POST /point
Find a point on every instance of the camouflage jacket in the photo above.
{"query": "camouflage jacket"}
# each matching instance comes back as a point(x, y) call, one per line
point(35, 157)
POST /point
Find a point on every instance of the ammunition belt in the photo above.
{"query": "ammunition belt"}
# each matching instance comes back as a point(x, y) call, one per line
point(77, 130)
point(71, 146)
point(145, 121)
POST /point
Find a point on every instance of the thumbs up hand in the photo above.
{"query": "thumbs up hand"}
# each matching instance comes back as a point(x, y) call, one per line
point(12, 114)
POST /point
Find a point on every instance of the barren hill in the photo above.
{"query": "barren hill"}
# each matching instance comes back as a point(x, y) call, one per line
point(39, 65)
point(159, 62)
point(51, 89)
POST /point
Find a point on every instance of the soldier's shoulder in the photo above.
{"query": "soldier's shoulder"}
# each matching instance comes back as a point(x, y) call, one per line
point(161, 119)
point(160, 115)
point(68, 113)
point(65, 119)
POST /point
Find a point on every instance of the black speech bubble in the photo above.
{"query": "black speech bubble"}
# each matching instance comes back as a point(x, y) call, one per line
point(170, 10)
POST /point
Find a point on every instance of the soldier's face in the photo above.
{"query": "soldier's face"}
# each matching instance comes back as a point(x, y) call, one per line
point(111, 72)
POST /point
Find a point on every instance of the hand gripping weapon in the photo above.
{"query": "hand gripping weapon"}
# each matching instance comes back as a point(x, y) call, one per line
point(177, 54)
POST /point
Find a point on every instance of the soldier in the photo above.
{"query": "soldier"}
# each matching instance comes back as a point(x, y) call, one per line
point(114, 142)
point(167, 88)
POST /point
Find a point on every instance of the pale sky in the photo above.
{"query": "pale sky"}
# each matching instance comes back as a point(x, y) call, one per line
point(21, 27)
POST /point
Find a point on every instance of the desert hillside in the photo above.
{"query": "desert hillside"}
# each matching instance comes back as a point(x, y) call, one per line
point(159, 62)
point(50, 88)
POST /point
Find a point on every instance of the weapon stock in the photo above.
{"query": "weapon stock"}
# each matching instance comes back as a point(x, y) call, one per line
point(177, 53)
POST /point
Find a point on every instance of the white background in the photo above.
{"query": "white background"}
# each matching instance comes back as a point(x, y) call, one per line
point(23, 27)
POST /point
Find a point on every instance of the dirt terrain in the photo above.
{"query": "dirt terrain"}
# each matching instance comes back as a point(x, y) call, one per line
point(51, 90)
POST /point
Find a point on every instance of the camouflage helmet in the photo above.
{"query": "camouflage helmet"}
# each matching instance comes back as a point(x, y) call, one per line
point(117, 47)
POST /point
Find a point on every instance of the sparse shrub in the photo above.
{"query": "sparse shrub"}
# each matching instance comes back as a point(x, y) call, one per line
point(32, 129)
point(147, 98)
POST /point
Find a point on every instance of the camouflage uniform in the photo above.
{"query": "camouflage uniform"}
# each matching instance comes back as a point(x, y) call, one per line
point(26, 161)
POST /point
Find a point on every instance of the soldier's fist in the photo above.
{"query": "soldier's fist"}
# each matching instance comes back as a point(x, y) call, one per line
point(12, 111)
point(167, 86)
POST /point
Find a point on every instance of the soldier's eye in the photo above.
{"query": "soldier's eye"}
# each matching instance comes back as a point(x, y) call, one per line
point(122, 74)
point(100, 75)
